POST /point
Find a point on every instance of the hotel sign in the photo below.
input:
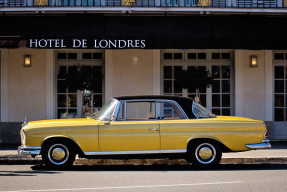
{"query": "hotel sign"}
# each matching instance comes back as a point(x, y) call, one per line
point(154, 32)
point(87, 43)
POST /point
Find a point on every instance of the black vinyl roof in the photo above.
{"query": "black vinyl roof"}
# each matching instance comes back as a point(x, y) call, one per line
point(184, 102)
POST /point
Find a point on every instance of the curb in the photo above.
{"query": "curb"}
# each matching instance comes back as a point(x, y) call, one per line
point(236, 160)
point(240, 160)
point(254, 160)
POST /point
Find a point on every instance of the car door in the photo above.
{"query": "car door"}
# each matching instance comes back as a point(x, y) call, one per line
point(134, 130)
point(175, 128)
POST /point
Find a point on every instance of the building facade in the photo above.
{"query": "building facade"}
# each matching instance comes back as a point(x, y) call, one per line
point(140, 48)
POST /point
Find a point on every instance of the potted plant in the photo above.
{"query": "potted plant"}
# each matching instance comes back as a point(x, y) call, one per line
point(81, 77)
point(194, 78)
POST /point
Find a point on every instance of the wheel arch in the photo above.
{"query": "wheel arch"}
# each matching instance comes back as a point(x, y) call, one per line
point(62, 138)
point(223, 147)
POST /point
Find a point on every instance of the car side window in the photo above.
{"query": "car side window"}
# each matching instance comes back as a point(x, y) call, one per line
point(168, 111)
point(137, 111)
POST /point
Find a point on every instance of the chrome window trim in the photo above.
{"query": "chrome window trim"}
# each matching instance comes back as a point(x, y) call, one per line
point(135, 152)
point(177, 105)
point(193, 111)
point(125, 111)
point(116, 112)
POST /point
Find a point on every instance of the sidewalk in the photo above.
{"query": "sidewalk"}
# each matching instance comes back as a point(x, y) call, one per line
point(275, 155)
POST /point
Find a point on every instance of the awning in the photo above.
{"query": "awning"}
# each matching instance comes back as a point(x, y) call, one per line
point(158, 32)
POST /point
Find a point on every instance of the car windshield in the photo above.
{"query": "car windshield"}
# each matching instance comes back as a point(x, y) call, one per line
point(201, 112)
point(106, 111)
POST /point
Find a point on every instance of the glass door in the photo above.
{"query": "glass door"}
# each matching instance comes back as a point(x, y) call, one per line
point(79, 83)
point(202, 90)
point(67, 97)
point(79, 95)
point(221, 90)
point(92, 97)
point(280, 102)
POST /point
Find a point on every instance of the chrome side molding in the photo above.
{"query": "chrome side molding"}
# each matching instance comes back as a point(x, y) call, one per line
point(134, 152)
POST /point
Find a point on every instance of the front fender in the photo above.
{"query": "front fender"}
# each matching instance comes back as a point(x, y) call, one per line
point(58, 136)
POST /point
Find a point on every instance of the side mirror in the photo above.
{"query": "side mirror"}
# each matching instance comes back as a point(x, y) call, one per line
point(112, 118)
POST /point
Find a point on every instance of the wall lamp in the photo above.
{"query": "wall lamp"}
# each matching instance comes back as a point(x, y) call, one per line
point(27, 61)
point(253, 61)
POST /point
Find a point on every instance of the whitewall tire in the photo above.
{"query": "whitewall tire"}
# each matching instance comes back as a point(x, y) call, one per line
point(58, 154)
point(204, 154)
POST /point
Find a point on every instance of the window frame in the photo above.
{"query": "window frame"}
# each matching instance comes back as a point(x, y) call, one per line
point(284, 93)
point(208, 63)
point(221, 94)
point(80, 96)
point(117, 110)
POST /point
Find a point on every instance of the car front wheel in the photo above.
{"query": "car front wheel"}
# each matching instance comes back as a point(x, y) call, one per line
point(204, 154)
point(58, 155)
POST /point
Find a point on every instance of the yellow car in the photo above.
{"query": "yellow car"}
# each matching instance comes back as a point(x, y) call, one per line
point(143, 127)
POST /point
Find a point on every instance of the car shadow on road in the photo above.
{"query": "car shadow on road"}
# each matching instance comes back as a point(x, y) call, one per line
point(26, 173)
point(221, 167)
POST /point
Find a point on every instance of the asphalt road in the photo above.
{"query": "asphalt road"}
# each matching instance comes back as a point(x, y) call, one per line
point(144, 178)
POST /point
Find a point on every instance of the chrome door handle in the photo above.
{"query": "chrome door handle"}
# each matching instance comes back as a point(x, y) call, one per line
point(153, 129)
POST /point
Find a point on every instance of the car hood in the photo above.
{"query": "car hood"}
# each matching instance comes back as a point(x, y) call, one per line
point(61, 123)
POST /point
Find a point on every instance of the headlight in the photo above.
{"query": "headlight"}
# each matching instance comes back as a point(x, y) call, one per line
point(23, 137)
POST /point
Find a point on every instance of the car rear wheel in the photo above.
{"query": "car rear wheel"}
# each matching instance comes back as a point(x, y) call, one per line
point(204, 154)
point(58, 155)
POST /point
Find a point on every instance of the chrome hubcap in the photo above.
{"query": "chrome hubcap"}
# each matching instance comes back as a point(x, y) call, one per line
point(58, 154)
point(205, 153)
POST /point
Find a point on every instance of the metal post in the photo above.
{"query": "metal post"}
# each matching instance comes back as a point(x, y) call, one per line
point(233, 3)
point(228, 3)
point(280, 3)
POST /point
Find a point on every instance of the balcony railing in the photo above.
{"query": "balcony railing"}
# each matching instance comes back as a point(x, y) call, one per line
point(147, 3)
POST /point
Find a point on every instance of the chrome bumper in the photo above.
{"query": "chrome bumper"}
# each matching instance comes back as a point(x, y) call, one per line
point(23, 150)
point(263, 145)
